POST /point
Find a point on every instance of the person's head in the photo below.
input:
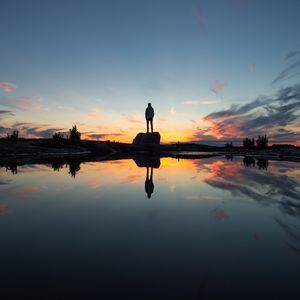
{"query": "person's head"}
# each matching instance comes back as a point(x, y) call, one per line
point(149, 104)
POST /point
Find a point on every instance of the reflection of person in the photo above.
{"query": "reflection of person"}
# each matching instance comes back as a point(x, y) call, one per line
point(149, 114)
point(149, 186)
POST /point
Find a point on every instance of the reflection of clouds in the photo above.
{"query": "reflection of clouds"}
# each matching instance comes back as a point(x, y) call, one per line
point(219, 214)
point(4, 208)
point(93, 183)
point(282, 188)
point(132, 178)
point(201, 197)
point(293, 233)
point(26, 192)
point(172, 188)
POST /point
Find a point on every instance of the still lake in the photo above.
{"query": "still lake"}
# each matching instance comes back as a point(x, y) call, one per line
point(206, 228)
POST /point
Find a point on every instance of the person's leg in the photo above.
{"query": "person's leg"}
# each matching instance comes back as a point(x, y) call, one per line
point(147, 121)
point(151, 121)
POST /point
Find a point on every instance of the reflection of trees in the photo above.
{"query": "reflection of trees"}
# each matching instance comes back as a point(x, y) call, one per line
point(262, 164)
point(57, 165)
point(11, 166)
point(280, 188)
point(249, 161)
point(74, 167)
point(72, 163)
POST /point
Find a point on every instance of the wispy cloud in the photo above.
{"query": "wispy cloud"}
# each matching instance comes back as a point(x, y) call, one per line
point(274, 115)
point(198, 14)
point(104, 136)
point(201, 102)
point(32, 130)
point(24, 102)
point(291, 70)
point(94, 113)
point(7, 86)
point(135, 119)
point(252, 68)
point(6, 113)
point(217, 86)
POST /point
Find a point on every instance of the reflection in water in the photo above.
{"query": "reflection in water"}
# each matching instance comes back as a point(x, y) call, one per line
point(293, 233)
point(279, 187)
point(207, 216)
point(73, 164)
point(11, 166)
point(149, 186)
point(249, 161)
point(262, 164)
point(148, 162)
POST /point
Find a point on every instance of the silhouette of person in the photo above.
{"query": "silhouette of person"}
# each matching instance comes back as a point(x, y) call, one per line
point(149, 186)
point(149, 114)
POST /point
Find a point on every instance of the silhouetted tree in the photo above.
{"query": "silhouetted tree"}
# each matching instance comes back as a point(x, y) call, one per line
point(74, 134)
point(248, 143)
point(58, 137)
point(262, 142)
point(13, 137)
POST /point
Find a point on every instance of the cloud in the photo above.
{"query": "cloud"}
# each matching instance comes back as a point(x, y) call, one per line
point(32, 130)
point(252, 68)
point(7, 86)
point(6, 113)
point(134, 119)
point(104, 136)
point(173, 111)
point(278, 116)
point(198, 14)
point(217, 86)
point(292, 54)
point(201, 102)
point(94, 113)
point(24, 103)
point(291, 70)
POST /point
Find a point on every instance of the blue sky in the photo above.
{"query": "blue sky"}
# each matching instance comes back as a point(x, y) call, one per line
point(98, 63)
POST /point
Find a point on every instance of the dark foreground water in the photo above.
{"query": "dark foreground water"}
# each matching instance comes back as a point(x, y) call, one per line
point(197, 229)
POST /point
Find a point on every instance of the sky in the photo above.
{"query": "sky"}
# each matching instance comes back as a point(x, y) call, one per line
point(214, 70)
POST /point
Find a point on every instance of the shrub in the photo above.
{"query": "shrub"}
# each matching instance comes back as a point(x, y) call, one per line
point(248, 143)
point(262, 142)
point(58, 137)
point(13, 137)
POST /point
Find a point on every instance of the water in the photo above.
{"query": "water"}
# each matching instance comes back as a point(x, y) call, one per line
point(206, 229)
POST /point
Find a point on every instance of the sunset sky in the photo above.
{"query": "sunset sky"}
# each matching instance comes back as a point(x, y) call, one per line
point(214, 70)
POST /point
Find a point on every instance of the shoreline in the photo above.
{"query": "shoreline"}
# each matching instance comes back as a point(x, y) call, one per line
point(29, 151)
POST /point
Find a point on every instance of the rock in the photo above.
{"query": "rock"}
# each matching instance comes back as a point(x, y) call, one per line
point(148, 138)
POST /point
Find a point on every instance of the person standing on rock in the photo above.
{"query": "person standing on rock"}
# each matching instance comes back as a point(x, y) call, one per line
point(149, 114)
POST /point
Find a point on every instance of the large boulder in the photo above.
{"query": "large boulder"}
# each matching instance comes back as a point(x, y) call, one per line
point(148, 138)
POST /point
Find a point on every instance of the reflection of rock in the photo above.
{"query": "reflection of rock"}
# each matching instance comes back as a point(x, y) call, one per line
point(147, 138)
point(147, 161)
